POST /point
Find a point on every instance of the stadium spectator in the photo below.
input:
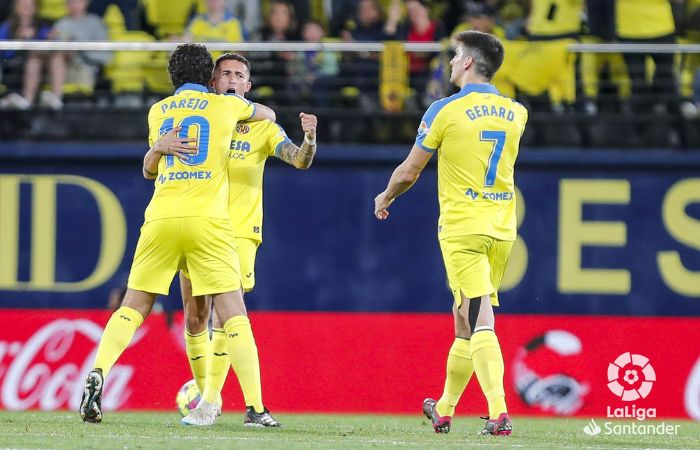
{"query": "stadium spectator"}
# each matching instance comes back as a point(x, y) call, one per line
point(280, 26)
point(479, 16)
point(602, 71)
point(249, 13)
point(280, 23)
point(313, 74)
point(648, 22)
point(303, 10)
point(418, 28)
point(79, 25)
point(513, 16)
point(24, 23)
point(217, 24)
point(600, 16)
point(367, 25)
point(343, 13)
point(555, 21)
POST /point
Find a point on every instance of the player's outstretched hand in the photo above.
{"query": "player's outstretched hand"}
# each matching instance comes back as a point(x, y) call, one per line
point(308, 124)
point(171, 144)
point(380, 206)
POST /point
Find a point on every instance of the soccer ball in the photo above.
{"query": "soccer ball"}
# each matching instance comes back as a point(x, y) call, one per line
point(187, 397)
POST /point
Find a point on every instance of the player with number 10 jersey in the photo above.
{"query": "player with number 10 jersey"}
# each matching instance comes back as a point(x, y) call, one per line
point(194, 187)
point(197, 186)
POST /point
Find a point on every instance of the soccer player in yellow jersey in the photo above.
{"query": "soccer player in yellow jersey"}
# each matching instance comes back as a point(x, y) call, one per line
point(476, 133)
point(251, 144)
point(186, 222)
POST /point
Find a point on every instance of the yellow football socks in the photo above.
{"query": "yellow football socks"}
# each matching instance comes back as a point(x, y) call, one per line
point(116, 337)
point(488, 365)
point(459, 371)
point(218, 363)
point(244, 359)
point(197, 346)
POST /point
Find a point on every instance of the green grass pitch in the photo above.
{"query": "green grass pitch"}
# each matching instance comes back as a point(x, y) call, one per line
point(64, 430)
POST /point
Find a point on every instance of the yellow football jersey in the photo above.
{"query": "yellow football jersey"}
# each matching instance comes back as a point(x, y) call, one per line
point(197, 186)
point(251, 144)
point(477, 134)
point(644, 19)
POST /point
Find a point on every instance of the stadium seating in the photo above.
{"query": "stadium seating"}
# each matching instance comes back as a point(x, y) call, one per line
point(156, 76)
point(127, 69)
point(168, 17)
point(52, 9)
point(114, 21)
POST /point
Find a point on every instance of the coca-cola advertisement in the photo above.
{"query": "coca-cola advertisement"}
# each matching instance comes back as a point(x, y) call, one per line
point(337, 362)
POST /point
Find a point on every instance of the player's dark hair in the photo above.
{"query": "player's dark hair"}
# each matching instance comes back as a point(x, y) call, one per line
point(486, 50)
point(232, 57)
point(190, 63)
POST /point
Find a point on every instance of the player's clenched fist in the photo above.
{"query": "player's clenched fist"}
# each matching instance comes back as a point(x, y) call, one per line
point(308, 124)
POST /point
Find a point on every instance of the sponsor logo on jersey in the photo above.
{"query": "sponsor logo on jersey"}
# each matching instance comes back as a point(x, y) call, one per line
point(423, 129)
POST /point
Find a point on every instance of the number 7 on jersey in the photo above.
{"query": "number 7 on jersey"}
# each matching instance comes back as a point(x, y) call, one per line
point(498, 138)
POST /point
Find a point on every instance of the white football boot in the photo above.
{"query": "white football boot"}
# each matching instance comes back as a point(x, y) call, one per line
point(204, 415)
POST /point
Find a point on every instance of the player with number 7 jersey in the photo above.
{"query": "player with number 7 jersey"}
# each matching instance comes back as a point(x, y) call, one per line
point(476, 133)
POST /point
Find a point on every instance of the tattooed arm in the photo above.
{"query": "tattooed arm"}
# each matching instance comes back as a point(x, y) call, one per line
point(301, 157)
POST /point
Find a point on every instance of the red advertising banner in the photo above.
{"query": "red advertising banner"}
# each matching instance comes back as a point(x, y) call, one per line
point(336, 362)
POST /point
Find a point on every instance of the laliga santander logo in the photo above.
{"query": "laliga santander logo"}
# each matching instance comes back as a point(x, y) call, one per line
point(45, 371)
point(631, 377)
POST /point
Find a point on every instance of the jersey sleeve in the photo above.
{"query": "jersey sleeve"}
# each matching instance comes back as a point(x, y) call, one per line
point(242, 108)
point(276, 136)
point(523, 119)
point(432, 127)
point(151, 128)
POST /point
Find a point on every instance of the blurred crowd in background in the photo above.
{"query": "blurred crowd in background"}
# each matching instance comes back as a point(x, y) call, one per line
point(539, 70)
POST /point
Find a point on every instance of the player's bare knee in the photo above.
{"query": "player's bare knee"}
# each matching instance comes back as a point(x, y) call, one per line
point(462, 329)
point(140, 301)
point(196, 322)
point(229, 304)
point(216, 322)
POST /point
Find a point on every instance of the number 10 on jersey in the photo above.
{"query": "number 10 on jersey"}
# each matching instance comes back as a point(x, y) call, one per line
point(202, 139)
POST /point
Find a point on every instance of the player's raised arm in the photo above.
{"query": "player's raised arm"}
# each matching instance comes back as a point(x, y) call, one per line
point(168, 144)
point(301, 157)
point(401, 180)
